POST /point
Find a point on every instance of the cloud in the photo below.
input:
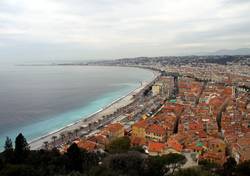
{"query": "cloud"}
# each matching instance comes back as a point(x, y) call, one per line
point(117, 28)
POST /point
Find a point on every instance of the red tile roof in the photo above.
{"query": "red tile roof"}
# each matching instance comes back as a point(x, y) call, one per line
point(156, 147)
point(87, 145)
point(216, 102)
point(156, 129)
point(114, 127)
point(228, 91)
point(217, 157)
point(137, 141)
point(174, 144)
point(141, 124)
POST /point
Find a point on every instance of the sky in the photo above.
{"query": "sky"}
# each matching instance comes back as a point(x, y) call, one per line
point(48, 30)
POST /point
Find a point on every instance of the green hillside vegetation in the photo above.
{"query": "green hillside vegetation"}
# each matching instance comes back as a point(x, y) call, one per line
point(121, 159)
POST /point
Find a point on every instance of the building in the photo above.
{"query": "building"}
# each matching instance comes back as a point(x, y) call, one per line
point(241, 149)
point(139, 129)
point(216, 157)
point(156, 148)
point(113, 131)
point(156, 133)
point(216, 145)
point(156, 89)
point(87, 145)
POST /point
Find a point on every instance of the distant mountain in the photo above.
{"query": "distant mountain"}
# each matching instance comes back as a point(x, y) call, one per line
point(240, 51)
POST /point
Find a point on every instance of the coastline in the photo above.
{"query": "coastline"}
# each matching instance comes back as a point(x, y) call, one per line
point(106, 110)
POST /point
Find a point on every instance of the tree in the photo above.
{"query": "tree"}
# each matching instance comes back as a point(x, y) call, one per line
point(195, 171)
point(209, 165)
point(69, 134)
point(18, 170)
point(54, 140)
point(46, 145)
point(1, 164)
point(62, 136)
point(174, 162)
point(76, 132)
point(165, 165)
point(130, 163)
point(21, 148)
point(137, 148)
point(155, 166)
point(243, 169)
point(74, 158)
point(229, 166)
point(8, 150)
point(119, 145)
point(8, 144)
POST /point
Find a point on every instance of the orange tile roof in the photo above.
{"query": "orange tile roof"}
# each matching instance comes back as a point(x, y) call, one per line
point(195, 126)
point(87, 145)
point(218, 157)
point(194, 147)
point(174, 144)
point(227, 91)
point(156, 129)
point(114, 127)
point(202, 134)
point(141, 124)
point(99, 138)
point(138, 141)
point(156, 147)
point(217, 102)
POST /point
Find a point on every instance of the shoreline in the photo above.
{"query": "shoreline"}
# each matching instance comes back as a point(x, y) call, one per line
point(106, 110)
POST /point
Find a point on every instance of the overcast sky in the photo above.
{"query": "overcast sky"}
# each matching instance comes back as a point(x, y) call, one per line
point(103, 29)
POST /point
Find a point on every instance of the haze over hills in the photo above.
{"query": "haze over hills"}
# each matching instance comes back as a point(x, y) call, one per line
point(239, 51)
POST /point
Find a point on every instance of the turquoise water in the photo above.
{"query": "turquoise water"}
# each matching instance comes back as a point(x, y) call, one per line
point(120, 81)
point(56, 122)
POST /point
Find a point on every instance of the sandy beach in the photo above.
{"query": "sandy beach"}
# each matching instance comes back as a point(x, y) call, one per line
point(98, 116)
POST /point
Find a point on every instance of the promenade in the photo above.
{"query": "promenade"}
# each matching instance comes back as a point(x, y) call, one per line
point(91, 124)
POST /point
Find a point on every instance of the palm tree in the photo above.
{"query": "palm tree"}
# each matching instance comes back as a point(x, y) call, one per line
point(76, 132)
point(89, 125)
point(54, 140)
point(99, 121)
point(46, 146)
point(62, 136)
point(69, 134)
point(81, 128)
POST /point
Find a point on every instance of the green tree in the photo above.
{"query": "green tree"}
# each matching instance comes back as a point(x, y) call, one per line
point(103, 171)
point(8, 150)
point(194, 171)
point(138, 149)
point(18, 170)
point(243, 169)
point(130, 163)
point(165, 165)
point(8, 144)
point(74, 158)
point(119, 145)
point(21, 148)
point(209, 165)
point(1, 164)
point(155, 166)
point(174, 162)
point(229, 166)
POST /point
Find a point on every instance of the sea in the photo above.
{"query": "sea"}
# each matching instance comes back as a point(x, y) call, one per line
point(36, 100)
